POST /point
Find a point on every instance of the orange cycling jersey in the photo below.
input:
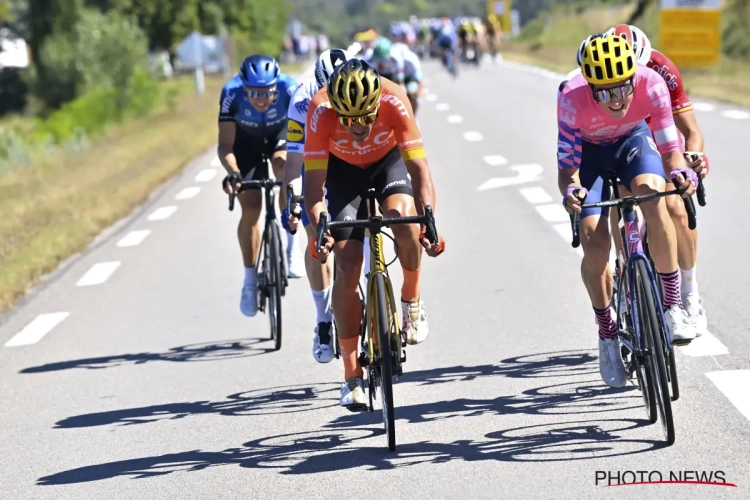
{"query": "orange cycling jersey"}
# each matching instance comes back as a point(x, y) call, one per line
point(395, 125)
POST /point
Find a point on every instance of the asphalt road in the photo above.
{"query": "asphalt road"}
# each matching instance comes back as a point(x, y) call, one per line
point(133, 374)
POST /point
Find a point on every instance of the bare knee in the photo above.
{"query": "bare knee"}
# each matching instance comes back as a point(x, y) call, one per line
point(251, 203)
point(401, 206)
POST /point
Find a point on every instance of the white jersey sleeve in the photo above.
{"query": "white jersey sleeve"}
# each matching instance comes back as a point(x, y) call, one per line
point(412, 65)
point(295, 135)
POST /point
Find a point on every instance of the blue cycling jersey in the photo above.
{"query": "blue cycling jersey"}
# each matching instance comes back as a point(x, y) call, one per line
point(236, 108)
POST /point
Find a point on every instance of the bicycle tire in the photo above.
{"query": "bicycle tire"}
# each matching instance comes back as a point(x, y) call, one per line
point(385, 363)
point(668, 348)
point(642, 365)
point(653, 334)
point(275, 256)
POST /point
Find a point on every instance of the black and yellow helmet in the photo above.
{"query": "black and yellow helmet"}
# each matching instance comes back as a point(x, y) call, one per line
point(608, 60)
point(354, 88)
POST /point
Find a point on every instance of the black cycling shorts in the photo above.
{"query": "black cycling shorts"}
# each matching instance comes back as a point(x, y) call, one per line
point(347, 186)
point(253, 152)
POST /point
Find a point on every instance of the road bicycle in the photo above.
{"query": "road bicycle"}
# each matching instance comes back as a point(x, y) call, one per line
point(382, 351)
point(647, 348)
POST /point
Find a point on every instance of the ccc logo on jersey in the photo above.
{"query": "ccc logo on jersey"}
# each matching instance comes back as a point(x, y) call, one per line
point(295, 132)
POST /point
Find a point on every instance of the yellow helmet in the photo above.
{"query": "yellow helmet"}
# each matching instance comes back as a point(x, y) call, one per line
point(354, 88)
point(608, 60)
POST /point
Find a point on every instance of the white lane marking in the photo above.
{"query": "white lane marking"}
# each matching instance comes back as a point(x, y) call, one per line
point(430, 98)
point(565, 231)
point(98, 274)
point(705, 345)
point(734, 384)
point(536, 195)
point(187, 193)
point(472, 136)
point(162, 213)
point(459, 119)
point(735, 114)
point(442, 107)
point(703, 106)
point(495, 160)
point(134, 238)
point(205, 175)
point(553, 212)
point(216, 163)
point(38, 328)
point(525, 174)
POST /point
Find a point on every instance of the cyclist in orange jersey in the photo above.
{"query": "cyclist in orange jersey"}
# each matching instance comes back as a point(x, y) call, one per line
point(362, 135)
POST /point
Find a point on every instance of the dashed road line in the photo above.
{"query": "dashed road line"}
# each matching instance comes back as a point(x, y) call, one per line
point(134, 238)
point(734, 385)
point(472, 136)
point(205, 175)
point(553, 212)
point(98, 274)
point(187, 193)
point(38, 328)
point(703, 106)
point(216, 163)
point(441, 106)
point(536, 195)
point(456, 119)
point(431, 98)
point(735, 114)
point(162, 213)
point(495, 160)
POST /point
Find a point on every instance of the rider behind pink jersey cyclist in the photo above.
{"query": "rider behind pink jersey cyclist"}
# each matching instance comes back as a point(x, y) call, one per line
point(601, 121)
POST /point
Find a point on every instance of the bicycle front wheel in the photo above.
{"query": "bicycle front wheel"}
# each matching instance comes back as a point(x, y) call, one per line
point(652, 333)
point(385, 362)
point(275, 258)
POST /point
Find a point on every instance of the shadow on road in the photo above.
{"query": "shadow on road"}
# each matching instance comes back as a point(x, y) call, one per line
point(267, 401)
point(342, 449)
point(208, 351)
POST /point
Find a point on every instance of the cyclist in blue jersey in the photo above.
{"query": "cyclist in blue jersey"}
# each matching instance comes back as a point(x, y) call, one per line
point(448, 43)
point(252, 128)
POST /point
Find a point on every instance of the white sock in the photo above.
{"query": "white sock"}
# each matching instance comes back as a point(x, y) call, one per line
point(366, 249)
point(251, 276)
point(322, 300)
point(688, 284)
point(292, 243)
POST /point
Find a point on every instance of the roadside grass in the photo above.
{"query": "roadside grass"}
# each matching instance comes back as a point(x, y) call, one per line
point(553, 43)
point(56, 206)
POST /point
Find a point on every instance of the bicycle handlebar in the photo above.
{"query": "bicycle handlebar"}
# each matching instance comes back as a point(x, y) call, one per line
point(376, 222)
point(293, 203)
point(264, 184)
point(575, 217)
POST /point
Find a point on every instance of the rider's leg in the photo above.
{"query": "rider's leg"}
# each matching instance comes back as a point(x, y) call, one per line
point(295, 263)
point(248, 233)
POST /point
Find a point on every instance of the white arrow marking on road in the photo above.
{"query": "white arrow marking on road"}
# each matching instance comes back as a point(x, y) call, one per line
point(526, 173)
point(472, 136)
point(536, 195)
point(38, 328)
point(216, 163)
point(442, 106)
point(495, 160)
point(735, 114)
point(734, 384)
point(456, 119)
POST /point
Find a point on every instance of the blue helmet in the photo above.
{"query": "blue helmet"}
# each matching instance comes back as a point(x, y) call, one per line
point(259, 70)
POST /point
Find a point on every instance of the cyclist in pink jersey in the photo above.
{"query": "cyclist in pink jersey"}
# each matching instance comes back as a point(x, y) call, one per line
point(602, 127)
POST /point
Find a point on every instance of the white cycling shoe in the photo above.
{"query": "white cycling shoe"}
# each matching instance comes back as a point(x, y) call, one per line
point(414, 327)
point(323, 344)
point(681, 328)
point(249, 300)
point(611, 367)
point(695, 312)
point(353, 395)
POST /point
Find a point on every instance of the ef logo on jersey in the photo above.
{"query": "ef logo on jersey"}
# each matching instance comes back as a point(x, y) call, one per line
point(295, 132)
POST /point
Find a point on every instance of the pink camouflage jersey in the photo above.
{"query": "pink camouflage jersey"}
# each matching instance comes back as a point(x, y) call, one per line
point(580, 118)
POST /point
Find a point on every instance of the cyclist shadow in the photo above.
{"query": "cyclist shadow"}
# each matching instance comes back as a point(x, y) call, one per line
point(544, 365)
point(266, 401)
point(205, 351)
point(341, 449)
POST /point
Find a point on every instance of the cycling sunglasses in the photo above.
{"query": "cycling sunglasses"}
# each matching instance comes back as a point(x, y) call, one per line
point(260, 94)
point(607, 95)
point(365, 121)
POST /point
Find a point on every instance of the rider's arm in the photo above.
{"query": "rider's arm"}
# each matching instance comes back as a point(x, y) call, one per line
point(227, 131)
point(569, 144)
point(295, 136)
point(662, 123)
point(687, 123)
point(319, 128)
point(410, 144)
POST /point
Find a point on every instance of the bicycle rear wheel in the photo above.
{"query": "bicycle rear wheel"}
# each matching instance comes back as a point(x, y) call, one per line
point(274, 257)
point(385, 362)
point(652, 334)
